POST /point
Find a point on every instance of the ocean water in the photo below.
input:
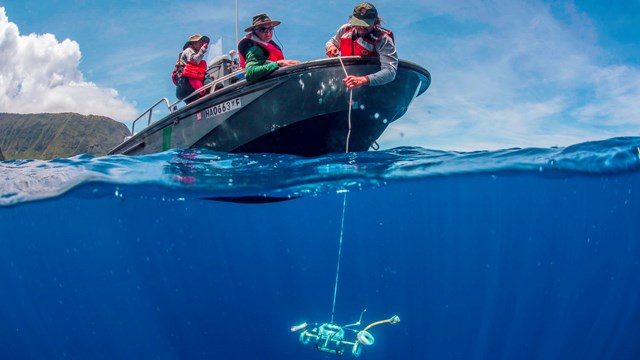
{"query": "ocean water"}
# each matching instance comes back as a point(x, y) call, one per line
point(512, 254)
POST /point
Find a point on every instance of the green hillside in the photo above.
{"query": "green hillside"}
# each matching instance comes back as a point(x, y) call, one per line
point(48, 136)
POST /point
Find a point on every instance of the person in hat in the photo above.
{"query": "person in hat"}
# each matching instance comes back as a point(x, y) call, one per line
point(190, 69)
point(363, 36)
point(259, 54)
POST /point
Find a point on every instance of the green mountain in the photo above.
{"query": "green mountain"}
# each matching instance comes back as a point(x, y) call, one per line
point(48, 136)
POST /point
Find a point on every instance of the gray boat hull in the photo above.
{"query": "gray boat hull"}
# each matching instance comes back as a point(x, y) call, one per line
point(299, 110)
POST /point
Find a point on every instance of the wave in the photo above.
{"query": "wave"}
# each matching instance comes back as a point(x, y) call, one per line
point(204, 173)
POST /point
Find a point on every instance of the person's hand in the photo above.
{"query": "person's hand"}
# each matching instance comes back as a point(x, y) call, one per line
point(283, 63)
point(354, 82)
point(332, 51)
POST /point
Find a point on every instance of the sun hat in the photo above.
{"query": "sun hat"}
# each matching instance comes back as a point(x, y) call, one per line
point(195, 38)
point(364, 14)
point(261, 19)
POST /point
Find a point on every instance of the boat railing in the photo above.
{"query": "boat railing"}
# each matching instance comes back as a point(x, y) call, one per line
point(150, 112)
point(213, 85)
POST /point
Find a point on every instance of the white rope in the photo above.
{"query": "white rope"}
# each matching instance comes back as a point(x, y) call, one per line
point(335, 289)
point(350, 105)
point(349, 119)
point(343, 68)
point(344, 203)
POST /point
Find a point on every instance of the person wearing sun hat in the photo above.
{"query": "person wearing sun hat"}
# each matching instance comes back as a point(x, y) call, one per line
point(259, 54)
point(363, 36)
point(190, 69)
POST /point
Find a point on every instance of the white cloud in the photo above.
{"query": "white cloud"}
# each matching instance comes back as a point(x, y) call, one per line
point(215, 49)
point(515, 74)
point(615, 98)
point(40, 74)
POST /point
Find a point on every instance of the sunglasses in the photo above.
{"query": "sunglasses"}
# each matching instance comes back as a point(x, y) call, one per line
point(264, 29)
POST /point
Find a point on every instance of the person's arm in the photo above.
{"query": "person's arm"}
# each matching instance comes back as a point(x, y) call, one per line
point(332, 47)
point(195, 57)
point(257, 66)
point(388, 63)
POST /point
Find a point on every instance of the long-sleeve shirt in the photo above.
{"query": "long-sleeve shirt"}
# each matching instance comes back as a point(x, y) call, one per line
point(387, 52)
point(191, 56)
point(257, 66)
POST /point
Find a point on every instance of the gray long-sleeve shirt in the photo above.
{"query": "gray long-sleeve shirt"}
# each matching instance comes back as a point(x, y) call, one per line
point(385, 48)
point(191, 56)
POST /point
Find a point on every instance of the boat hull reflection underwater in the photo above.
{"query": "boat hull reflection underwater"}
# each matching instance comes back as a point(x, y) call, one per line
point(300, 110)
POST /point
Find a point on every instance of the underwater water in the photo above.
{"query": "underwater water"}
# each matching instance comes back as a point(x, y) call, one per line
point(511, 254)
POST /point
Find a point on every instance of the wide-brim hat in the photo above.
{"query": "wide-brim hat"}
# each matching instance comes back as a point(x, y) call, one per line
point(195, 38)
point(261, 20)
point(364, 14)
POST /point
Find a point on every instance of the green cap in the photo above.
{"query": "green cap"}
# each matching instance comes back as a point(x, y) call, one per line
point(364, 14)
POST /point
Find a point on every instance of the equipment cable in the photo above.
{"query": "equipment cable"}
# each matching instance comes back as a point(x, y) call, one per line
point(335, 289)
point(350, 105)
point(344, 201)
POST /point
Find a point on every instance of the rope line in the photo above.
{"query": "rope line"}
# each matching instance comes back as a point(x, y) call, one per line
point(349, 119)
point(335, 289)
point(350, 105)
point(344, 203)
point(343, 68)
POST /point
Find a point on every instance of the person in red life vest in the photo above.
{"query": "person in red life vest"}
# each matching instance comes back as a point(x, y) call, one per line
point(259, 55)
point(363, 36)
point(190, 69)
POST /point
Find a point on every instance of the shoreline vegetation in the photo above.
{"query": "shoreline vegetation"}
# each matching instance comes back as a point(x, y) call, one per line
point(48, 136)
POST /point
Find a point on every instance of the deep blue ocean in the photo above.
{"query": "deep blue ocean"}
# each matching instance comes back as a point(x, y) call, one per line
point(512, 254)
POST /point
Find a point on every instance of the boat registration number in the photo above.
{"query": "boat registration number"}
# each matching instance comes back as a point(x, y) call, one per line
point(222, 108)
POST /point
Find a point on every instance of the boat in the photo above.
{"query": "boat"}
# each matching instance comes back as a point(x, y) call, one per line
point(303, 110)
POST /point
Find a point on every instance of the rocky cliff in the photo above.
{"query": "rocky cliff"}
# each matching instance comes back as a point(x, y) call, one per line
point(48, 136)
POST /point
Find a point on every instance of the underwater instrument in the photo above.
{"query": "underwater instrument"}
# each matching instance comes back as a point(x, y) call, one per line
point(330, 338)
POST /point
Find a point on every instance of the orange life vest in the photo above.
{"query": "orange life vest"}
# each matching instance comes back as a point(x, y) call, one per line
point(189, 70)
point(274, 53)
point(351, 44)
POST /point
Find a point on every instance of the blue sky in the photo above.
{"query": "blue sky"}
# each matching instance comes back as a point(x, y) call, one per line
point(506, 73)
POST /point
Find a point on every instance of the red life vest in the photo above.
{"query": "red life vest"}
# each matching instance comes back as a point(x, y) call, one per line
point(274, 53)
point(189, 70)
point(362, 46)
point(195, 71)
